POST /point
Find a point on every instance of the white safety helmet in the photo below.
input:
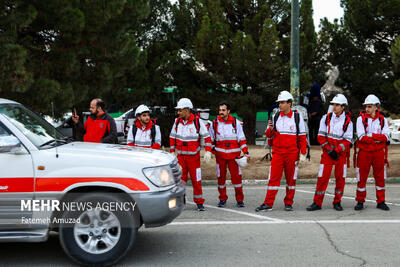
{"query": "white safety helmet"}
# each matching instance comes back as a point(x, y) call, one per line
point(184, 103)
point(284, 96)
point(371, 100)
point(339, 99)
point(141, 109)
point(242, 162)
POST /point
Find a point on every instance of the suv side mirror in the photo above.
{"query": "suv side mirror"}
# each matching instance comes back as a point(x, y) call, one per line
point(9, 143)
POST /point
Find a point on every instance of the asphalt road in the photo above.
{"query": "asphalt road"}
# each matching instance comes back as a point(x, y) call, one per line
point(234, 236)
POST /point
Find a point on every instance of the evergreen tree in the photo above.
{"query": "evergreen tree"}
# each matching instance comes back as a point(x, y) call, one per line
point(360, 46)
point(67, 52)
point(241, 52)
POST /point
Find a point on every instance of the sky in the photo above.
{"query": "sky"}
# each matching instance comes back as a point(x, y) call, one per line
point(326, 8)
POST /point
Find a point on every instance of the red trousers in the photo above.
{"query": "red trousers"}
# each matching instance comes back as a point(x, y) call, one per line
point(280, 163)
point(236, 177)
point(365, 160)
point(191, 164)
point(324, 174)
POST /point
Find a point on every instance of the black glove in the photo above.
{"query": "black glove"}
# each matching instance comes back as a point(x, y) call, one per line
point(333, 154)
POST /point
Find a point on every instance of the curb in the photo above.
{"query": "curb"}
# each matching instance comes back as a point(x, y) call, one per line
point(393, 180)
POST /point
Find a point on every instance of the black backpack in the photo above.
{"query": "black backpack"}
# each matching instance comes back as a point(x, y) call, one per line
point(297, 122)
point(365, 121)
point(152, 134)
point(215, 126)
point(345, 124)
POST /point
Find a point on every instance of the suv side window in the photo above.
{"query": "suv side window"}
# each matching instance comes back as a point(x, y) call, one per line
point(4, 131)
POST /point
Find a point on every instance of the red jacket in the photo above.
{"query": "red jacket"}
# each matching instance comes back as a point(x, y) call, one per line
point(332, 137)
point(228, 138)
point(99, 129)
point(285, 137)
point(186, 138)
point(143, 136)
point(379, 135)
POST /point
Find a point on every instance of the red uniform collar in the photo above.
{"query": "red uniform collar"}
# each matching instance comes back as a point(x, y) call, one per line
point(148, 126)
point(377, 115)
point(190, 120)
point(229, 120)
point(289, 115)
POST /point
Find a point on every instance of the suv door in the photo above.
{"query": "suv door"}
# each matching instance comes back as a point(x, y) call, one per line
point(16, 184)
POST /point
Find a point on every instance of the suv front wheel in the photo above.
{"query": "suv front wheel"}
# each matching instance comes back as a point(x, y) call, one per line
point(98, 237)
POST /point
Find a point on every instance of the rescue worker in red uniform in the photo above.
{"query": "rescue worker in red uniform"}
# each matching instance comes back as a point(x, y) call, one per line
point(228, 142)
point(144, 132)
point(186, 137)
point(289, 146)
point(373, 138)
point(335, 136)
point(99, 127)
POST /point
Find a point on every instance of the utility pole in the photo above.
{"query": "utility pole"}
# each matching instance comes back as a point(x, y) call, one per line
point(294, 54)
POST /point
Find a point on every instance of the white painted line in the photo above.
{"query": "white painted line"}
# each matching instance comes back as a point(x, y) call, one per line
point(240, 212)
point(352, 198)
point(288, 222)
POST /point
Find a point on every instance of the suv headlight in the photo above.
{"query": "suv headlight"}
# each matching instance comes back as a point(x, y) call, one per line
point(160, 176)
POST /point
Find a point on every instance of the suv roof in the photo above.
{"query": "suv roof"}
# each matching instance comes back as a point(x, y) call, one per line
point(6, 101)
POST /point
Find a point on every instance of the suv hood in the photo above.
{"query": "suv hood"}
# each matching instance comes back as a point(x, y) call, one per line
point(112, 152)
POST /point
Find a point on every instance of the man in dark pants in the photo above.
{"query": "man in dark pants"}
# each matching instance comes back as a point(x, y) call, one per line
point(100, 127)
point(315, 109)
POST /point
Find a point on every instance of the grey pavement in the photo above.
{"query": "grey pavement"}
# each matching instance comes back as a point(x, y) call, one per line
point(234, 236)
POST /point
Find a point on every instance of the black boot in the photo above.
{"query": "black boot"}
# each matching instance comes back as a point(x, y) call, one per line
point(359, 206)
point(240, 204)
point(221, 204)
point(382, 206)
point(313, 207)
point(288, 207)
point(264, 207)
point(338, 207)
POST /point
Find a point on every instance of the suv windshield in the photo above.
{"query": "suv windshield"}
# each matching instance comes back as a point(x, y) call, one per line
point(35, 128)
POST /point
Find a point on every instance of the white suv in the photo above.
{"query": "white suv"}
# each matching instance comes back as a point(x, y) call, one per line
point(95, 195)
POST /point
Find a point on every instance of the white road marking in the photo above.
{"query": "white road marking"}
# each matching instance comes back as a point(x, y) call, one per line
point(352, 198)
point(312, 192)
point(239, 212)
point(288, 222)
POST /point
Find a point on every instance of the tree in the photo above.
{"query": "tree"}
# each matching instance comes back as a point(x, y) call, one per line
point(395, 51)
point(360, 46)
point(67, 52)
point(241, 52)
point(14, 16)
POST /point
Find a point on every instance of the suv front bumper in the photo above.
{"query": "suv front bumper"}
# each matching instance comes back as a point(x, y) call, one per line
point(154, 207)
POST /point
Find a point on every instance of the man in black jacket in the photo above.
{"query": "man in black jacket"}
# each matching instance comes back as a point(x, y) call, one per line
point(100, 127)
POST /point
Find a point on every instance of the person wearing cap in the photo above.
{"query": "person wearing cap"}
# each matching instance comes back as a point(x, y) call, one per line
point(229, 141)
point(335, 136)
point(373, 138)
point(144, 132)
point(187, 134)
point(289, 145)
